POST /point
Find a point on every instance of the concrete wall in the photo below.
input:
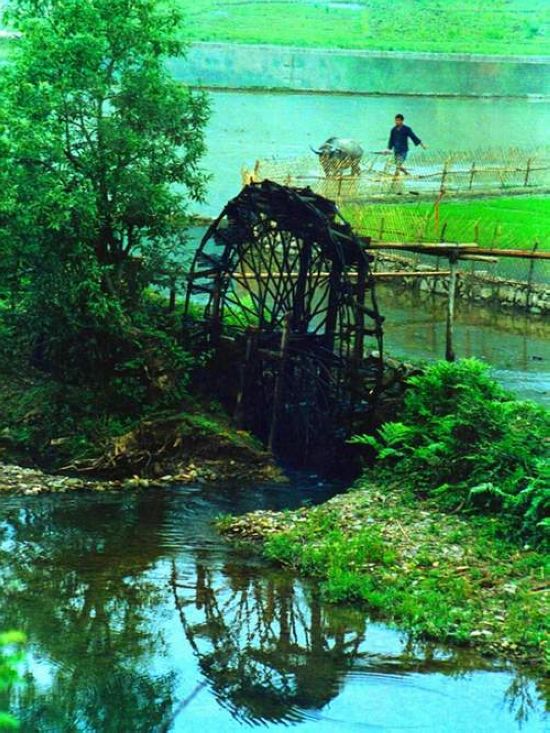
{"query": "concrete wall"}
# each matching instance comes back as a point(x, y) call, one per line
point(235, 66)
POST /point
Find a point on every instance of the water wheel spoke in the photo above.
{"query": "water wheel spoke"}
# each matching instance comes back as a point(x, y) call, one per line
point(292, 267)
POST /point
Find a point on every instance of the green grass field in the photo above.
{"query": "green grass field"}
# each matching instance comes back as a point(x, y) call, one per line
point(462, 26)
point(515, 223)
point(511, 27)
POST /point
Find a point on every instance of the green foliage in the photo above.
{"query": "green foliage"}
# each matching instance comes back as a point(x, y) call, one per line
point(52, 419)
point(466, 442)
point(99, 153)
point(11, 645)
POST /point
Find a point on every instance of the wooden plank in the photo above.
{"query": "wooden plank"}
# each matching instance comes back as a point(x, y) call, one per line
point(478, 258)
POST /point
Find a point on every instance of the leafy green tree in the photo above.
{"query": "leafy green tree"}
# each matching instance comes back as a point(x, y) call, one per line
point(99, 156)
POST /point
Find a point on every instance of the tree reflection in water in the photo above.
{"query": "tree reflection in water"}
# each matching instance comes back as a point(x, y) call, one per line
point(77, 583)
point(98, 585)
point(269, 649)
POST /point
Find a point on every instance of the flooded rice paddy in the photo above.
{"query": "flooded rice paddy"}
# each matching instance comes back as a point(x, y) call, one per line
point(247, 126)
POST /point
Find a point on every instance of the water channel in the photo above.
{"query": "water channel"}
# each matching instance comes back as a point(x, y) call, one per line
point(140, 619)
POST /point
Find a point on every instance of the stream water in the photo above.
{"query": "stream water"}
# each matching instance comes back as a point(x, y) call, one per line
point(515, 345)
point(140, 618)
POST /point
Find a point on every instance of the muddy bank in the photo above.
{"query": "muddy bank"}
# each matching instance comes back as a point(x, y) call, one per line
point(16, 479)
point(174, 449)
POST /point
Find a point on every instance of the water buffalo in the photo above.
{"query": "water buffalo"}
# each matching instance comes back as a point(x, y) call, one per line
point(337, 154)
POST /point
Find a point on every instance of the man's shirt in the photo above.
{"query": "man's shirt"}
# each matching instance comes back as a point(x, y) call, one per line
point(399, 139)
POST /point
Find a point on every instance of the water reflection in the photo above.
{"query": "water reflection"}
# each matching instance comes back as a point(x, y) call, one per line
point(140, 619)
point(74, 583)
point(272, 651)
point(269, 649)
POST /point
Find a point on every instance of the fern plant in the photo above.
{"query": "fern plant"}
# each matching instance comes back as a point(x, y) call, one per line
point(466, 442)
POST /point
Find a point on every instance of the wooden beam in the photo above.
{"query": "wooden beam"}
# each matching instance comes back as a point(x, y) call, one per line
point(443, 250)
point(388, 273)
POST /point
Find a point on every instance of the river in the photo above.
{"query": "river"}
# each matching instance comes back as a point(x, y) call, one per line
point(140, 618)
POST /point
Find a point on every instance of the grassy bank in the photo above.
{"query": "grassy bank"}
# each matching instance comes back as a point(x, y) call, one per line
point(436, 575)
point(515, 223)
point(445, 532)
point(514, 27)
point(81, 443)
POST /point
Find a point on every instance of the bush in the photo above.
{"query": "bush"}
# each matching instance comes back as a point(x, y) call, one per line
point(468, 443)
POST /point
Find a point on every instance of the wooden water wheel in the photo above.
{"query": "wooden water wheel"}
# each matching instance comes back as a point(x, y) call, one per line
point(282, 273)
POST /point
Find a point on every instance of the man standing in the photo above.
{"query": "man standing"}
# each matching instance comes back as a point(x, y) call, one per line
point(399, 142)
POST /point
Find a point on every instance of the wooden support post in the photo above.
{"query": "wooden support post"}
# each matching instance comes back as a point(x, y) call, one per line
point(530, 278)
point(279, 388)
point(334, 285)
point(442, 241)
point(239, 414)
point(527, 171)
point(299, 305)
point(360, 311)
point(449, 350)
point(215, 315)
point(381, 232)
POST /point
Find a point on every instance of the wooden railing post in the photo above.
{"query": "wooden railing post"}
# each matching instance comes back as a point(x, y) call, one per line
point(472, 174)
point(443, 177)
point(530, 278)
point(449, 349)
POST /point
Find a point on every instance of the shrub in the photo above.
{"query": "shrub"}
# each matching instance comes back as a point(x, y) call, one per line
point(465, 441)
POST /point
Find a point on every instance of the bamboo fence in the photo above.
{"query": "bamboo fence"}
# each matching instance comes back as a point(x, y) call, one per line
point(466, 172)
